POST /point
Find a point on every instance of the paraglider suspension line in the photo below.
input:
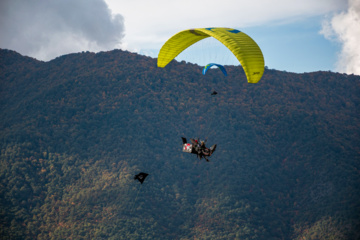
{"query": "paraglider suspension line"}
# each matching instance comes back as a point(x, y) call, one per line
point(135, 199)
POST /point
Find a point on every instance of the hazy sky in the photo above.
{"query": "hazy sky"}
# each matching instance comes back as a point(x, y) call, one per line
point(295, 36)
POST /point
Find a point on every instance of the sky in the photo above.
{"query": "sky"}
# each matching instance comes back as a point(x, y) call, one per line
point(294, 36)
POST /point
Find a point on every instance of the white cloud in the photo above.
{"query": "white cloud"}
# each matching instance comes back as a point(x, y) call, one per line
point(150, 23)
point(45, 29)
point(345, 28)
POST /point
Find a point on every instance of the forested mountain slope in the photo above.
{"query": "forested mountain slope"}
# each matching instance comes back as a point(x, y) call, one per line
point(74, 131)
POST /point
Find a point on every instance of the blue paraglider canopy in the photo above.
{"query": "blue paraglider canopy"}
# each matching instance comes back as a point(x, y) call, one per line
point(221, 67)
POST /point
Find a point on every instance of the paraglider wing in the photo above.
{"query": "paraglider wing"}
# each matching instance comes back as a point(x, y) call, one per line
point(221, 67)
point(141, 177)
point(241, 45)
point(178, 43)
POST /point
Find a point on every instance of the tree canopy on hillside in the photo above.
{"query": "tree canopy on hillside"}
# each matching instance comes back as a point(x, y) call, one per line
point(75, 131)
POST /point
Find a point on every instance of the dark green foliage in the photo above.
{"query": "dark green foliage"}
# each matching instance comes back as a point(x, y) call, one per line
point(75, 130)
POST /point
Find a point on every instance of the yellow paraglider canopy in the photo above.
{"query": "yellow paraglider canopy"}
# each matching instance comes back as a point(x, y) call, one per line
point(241, 45)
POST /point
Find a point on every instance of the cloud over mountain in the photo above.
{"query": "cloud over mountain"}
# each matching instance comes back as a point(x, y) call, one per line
point(47, 29)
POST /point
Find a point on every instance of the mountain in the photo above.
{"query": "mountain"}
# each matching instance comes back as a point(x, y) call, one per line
point(75, 131)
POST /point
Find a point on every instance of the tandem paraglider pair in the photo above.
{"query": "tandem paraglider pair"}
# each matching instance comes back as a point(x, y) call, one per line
point(198, 147)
